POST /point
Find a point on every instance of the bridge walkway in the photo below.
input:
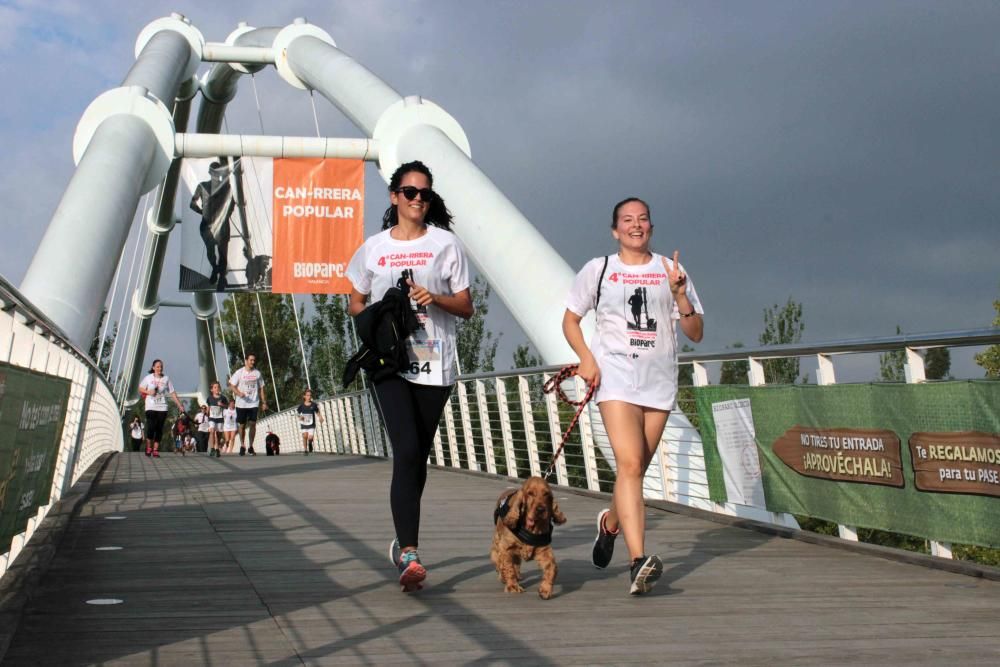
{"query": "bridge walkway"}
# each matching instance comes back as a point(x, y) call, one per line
point(282, 561)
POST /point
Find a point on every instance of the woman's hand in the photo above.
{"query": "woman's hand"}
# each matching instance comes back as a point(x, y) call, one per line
point(675, 277)
point(420, 294)
point(589, 372)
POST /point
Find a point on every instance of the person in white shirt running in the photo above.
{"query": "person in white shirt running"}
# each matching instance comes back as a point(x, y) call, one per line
point(155, 388)
point(639, 297)
point(247, 385)
point(229, 426)
point(417, 253)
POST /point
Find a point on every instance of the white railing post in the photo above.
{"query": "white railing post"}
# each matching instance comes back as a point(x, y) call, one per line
point(699, 374)
point(508, 437)
point(824, 370)
point(438, 449)
point(529, 424)
point(485, 429)
point(755, 372)
point(449, 425)
point(914, 368)
point(470, 443)
point(555, 431)
point(587, 439)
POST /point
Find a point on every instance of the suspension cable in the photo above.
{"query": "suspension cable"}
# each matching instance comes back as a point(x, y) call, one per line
point(346, 298)
point(267, 349)
point(109, 311)
point(222, 330)
point(239, 328)
point(128, 286)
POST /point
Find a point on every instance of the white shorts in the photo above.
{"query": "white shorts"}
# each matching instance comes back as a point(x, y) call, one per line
point(214, 426)
point(652, 385)
point(311, 432)
point(229, 429)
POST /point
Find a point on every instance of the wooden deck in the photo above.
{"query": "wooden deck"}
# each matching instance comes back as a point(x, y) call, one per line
point(282, 561)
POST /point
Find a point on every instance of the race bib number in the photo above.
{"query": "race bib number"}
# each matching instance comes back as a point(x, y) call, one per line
point(159, 398)
point(425, 361)
point(306, 418)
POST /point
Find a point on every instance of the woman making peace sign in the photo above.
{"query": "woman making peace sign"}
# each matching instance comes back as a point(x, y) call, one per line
point(638, 297)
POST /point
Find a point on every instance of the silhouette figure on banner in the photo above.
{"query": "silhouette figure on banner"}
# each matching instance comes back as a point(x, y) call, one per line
point(639, 306)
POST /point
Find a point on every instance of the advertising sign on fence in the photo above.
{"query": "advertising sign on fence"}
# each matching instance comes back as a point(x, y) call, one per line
point(32, 410)
point(917, 459)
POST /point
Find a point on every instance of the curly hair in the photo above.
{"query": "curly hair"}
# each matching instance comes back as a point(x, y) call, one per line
point(437, 214)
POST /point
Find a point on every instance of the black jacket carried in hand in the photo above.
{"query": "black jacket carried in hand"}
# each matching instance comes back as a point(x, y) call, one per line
point(383, 328)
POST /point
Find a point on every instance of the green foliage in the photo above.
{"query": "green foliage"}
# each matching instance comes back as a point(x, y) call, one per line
point(525, 357)
point(990, 357)
point(477, 347)
point(937, 363)
point(782, 325)
point(892, 364)
point(329, 342)
point(282, 343)
point(735, 372)
point(104, 363)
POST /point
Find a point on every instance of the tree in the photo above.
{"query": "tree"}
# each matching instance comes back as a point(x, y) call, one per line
point(525, 357)
point(329, 341)
point(782, 325)
point(990, 357)
point(735, 372)
point(937, 363)
point(685, 372)
point(477, 347)
point(892, 364)
point(285, 358)
point(104, 363)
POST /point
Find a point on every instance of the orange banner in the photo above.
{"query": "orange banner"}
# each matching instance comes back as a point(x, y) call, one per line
point(318, 224)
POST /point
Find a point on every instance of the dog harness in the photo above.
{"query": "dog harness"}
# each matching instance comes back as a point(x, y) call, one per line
point(532, 540)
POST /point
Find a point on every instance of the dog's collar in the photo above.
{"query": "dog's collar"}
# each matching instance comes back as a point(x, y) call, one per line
point(522, 534)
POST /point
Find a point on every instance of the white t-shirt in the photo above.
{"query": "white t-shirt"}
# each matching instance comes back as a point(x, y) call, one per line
point(229, 419)
point(201, 419)
point(249, 382)
point(156, 390)
point(137, 431)
point(435, 261)
point(635, 340)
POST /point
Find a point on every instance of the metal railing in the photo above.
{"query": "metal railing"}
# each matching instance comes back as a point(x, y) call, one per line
point(91, 425)
point(502, 423)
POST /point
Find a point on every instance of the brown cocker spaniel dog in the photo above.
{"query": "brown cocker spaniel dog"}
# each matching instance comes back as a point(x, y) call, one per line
point(524, 532)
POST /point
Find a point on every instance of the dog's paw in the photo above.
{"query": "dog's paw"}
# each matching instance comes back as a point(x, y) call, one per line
point(545, 591)
point(513, 588)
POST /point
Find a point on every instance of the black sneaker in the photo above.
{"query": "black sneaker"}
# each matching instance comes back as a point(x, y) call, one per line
point(604, 543)
point(645, 572)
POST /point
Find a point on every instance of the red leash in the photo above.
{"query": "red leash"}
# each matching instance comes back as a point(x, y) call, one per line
point(554, 385)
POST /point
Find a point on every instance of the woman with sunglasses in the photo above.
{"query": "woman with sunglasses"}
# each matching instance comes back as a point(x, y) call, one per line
point(638, 297)
point(415, 251)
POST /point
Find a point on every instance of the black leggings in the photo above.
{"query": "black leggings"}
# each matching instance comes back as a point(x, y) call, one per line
point(155, 419)
point(411, 413)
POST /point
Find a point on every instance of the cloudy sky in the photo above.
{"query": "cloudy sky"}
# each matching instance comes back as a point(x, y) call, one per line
point(843, 154)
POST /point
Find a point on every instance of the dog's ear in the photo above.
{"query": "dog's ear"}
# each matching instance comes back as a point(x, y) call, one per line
point(557, 514)
point(515, 506)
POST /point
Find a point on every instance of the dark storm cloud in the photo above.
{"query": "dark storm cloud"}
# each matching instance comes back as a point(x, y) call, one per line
point(844, 154)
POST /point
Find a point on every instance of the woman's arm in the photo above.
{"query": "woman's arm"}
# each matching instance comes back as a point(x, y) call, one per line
point(357, 303)
point(588, 370)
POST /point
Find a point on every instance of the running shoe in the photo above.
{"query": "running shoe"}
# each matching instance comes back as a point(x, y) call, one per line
point(411, 572)
point(604, 543)
point(645, 572)
point(149, 451)
point(394, 552)
point(156, 453)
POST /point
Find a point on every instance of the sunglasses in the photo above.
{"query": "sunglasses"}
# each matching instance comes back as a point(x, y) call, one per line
point(411, 193)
